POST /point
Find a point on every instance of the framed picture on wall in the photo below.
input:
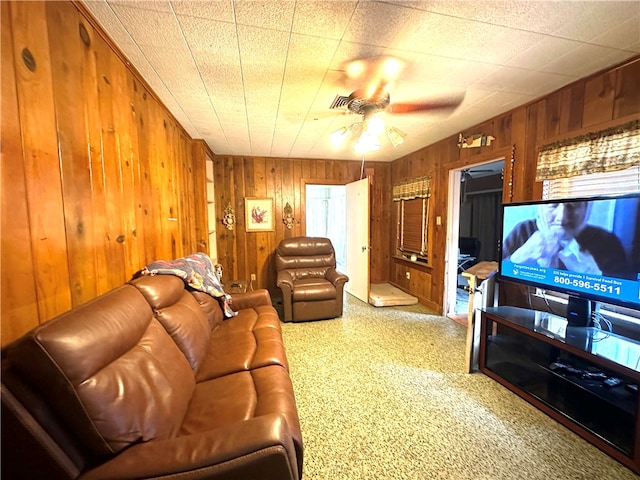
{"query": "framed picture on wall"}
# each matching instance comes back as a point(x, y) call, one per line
point(259, 214)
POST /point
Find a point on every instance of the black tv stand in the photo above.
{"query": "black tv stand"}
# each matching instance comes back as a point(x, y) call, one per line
point(582, 377)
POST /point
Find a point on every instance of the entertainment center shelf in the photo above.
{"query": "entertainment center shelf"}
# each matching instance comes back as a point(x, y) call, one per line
point(585, 378)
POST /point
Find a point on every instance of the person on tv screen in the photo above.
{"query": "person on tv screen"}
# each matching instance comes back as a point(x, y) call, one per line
point(561, 238)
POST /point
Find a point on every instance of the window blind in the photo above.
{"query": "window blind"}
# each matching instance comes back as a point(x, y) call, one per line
point(590, 185)
point(413, 222)
point(594, 184)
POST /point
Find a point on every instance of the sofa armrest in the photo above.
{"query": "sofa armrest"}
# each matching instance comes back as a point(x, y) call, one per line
point(260, 448)
point(240, 301)
point(336, 277)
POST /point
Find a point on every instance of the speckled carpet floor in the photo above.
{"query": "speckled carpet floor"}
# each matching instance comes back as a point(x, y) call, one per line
point(382, 394)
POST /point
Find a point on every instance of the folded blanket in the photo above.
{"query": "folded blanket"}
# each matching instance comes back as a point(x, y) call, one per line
point(198, 273)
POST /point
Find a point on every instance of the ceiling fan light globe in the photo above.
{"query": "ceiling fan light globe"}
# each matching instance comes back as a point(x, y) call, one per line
point(391, 68)
point(395, 136)
point(366, 143)
point(355, 69)
point(339, 136)
point(375, 125)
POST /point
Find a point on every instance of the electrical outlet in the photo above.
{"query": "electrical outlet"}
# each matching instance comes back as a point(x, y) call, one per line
point(408, 274)
point(253, 276)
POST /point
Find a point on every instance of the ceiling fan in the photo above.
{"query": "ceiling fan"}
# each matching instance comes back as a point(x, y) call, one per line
point(378, 76)
point(471, 172)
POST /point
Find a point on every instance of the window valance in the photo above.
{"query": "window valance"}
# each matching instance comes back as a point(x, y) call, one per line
point(608, 150)
point(414, 188)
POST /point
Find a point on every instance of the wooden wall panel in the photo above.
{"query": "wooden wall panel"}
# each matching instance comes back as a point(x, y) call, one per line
point(197, 171)
point(66, 59)
point(595, 103)
point(98, 178)
point(627, 91)
point(105, 180)
point(18, 298)
point(40, 156)
point(242, 253)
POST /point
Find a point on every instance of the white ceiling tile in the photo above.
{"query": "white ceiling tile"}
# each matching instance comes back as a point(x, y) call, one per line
point(625, 36)
point(533, 16)
point(376, 23)
point(211, 39)
point(220, 10)
point(265, 14)
point(322, 18)
point(584, 60)
point(147, 5)
point(159, 28)
point(258, 77)
point(594, 18)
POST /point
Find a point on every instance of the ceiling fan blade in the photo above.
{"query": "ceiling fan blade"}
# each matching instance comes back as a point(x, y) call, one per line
point(431, 105)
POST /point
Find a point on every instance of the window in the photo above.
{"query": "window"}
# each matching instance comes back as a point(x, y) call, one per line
point(412, 198)
point(413, 231)
point(595, 184)
point(617, 182)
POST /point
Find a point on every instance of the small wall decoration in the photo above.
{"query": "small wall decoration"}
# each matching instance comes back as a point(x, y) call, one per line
point(473, 141)
point(229, 219)
point(287, 216)
point(259, 214)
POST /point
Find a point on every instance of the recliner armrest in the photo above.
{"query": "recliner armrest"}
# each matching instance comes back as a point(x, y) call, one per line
point(285, 279)
point(260, 448)
point(335, 277)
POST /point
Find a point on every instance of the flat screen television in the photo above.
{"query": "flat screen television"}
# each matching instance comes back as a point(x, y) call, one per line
point(588, 248)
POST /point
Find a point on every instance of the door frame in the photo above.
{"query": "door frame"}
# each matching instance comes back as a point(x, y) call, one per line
point(453, 227)
point(451, 248)
point(303, 213)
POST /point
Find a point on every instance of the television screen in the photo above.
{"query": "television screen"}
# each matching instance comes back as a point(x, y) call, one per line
point(586, 247)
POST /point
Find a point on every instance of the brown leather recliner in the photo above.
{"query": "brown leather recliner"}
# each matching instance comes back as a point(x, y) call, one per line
point(312, 288)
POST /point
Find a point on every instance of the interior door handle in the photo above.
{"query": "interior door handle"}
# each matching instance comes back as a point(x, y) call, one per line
point(365, 248)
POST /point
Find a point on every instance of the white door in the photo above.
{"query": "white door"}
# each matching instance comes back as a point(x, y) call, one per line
point(451, 254)
point(358, 239)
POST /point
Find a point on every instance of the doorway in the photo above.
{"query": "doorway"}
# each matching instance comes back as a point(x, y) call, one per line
point(473, 232)
point(326, 214)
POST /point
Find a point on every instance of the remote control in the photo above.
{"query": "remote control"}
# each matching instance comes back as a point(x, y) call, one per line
point(612, 382)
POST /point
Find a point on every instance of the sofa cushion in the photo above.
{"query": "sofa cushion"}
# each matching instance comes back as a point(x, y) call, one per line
point(241, 396)
point(109, 370)
point(179, 313)
point(210, 307)
point(252, 339)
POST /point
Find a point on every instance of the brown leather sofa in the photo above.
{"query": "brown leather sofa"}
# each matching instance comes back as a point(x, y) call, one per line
point(312, 288)
point(149, 381)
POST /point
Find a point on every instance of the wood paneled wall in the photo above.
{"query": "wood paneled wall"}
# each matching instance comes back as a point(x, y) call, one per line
point(595, 103)
point(242, 253)
point(98, 179)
